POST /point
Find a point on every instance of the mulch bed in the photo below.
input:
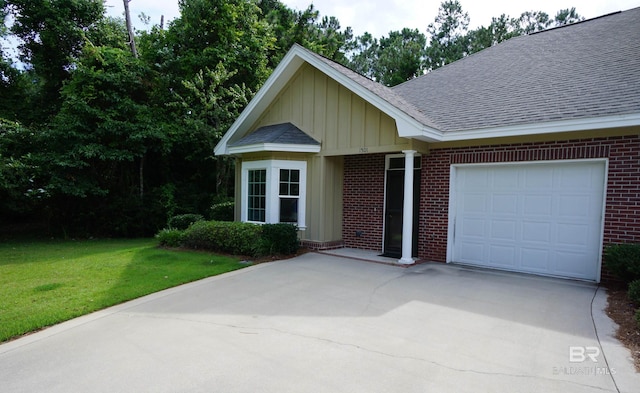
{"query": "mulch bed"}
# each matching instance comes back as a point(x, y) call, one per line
point(621, 311)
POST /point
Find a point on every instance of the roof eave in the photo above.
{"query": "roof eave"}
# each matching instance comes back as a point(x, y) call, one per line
point(280, 147)
point(552, 127)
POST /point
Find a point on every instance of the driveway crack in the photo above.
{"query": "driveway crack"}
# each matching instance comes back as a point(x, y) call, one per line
point(251, 330)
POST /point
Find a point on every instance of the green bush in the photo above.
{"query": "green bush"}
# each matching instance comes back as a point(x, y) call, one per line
point(623, 260)
point(279, 239)
point(223, 211)
point(634, 292)
point(637, 317)
point(182, 221)
point(170, 237)
point(239, 238)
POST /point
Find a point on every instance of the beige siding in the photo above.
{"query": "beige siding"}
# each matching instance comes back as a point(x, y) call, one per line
point(342, 121)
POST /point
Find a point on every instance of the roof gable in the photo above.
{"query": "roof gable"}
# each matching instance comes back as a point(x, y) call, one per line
point(409, 120)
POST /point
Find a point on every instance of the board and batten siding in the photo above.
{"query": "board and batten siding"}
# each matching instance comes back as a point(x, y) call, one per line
point(340, 120)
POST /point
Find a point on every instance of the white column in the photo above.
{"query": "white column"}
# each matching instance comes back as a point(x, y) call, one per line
point(407, 209)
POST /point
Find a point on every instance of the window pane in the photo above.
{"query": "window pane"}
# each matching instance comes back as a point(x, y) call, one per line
point(284, 175)
point(289, 210)
point(256, 200)
point(289, 182)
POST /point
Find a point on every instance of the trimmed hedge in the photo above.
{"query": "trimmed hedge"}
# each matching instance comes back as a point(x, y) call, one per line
point(182, 221)
point(237, 238)
point(279, 239)
point(623, 260)
point(223, 211)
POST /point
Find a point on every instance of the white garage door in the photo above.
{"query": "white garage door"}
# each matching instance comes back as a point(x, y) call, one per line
point(536, 218)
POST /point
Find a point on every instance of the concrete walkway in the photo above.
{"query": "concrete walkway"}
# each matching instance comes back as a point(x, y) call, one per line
point(321, 323)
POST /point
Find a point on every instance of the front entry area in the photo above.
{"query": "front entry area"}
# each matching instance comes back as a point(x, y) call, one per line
point(541, 218)
point(394, 205)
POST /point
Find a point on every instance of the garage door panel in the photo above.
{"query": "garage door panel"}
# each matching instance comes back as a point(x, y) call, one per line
point(475, 203)
point(504, 204)
point(574, 235)
point(504, 229)
point(536, 231)
point(469, 251)
point(535, 259)
point(571, 264)
point(502, 256)
point(537, 178)
point(543, 218)
point(537, 205)
point(575, 206)
point(473, 228)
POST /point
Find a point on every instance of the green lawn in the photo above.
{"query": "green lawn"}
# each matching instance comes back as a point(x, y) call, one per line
point(46, 282)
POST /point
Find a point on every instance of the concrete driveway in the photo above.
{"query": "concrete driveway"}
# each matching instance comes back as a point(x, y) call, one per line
point(319, 323)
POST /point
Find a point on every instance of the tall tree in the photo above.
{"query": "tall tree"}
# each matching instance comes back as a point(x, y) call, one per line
point(401, 57)
point(447, 34)
point(52, 33)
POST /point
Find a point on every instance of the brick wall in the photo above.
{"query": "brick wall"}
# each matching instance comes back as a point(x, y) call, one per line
point(622, 214)
point(363, 193)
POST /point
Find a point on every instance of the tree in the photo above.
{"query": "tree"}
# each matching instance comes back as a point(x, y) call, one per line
point(400, 57)
point(533, 21)
point(103, 128)
point(447, 41)
point(52, 34)
point(362, 52)
point(567, 16)
point(501, 29)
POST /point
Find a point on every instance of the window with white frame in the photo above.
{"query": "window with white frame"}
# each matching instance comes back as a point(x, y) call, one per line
point(274, 191)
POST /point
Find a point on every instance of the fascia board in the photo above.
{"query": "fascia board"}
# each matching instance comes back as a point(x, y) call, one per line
point(260, 147)
point(595, 123)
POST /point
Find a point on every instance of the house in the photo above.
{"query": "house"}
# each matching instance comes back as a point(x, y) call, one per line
point(523, 157)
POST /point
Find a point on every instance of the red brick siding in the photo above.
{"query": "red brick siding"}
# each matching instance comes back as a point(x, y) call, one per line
point(363, 204)
point(622, 213)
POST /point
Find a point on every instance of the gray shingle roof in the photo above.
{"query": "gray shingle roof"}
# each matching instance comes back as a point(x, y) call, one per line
point(584, 70)
point(285, 134)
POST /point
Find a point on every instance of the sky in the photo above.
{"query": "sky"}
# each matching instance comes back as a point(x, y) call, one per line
point(378, 17)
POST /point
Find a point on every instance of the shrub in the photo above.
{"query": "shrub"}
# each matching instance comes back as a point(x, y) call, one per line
point(279, 239)
point(623, 260)
point(223, 211)
point(637, 317)
point(182, 221)
point(238, 238)
point(170, 237)
point(634, 292)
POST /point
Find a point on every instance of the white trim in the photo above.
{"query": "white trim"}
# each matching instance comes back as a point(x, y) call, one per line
point(272, 214)
point(594, 123)
point(452, 198)
point(259, 147)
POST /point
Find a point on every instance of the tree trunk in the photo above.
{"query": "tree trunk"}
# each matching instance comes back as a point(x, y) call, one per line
point(132, 41)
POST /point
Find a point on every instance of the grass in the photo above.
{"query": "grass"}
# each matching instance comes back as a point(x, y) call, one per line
point(43, 283)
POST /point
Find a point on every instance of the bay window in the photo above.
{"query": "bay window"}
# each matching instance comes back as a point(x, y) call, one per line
point(274, 191)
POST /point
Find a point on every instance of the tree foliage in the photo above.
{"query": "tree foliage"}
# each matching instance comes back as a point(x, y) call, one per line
point(96, 140)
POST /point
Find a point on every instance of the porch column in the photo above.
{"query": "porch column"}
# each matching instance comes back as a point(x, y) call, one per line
point(407, 209)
